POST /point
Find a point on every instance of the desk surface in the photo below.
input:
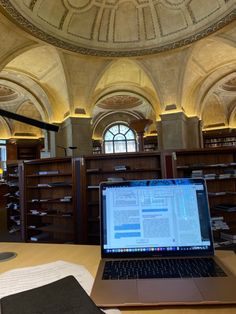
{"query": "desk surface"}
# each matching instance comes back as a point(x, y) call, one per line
point(29, 254)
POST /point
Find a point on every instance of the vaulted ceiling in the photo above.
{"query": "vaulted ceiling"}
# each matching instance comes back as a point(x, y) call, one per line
point(116, 60)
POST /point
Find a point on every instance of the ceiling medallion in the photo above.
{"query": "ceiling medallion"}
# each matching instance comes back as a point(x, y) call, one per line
point(120, 102)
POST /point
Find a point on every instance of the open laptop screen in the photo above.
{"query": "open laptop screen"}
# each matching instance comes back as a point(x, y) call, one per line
point(165, 217)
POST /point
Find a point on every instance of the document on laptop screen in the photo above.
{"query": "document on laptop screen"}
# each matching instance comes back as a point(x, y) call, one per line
point(146, 217)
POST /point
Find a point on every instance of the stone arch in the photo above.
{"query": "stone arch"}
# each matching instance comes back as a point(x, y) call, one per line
point(206, 63)
point(20, 129)
point(46, 77)
point(123, 106)
point(213, 113)
point(5, 129)
point(232, 118)
point(125, 74)
point(110, 118)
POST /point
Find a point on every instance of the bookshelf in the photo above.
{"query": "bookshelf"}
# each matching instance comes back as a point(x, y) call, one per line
point(97, 147)
point(129, 166)
point(218, 167)
point(13, 204)
point(219, 138)
point(150, 143)
point(19, 149)
point(50, 200)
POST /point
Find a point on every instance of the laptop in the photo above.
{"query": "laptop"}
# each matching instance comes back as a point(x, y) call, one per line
point(157, 246)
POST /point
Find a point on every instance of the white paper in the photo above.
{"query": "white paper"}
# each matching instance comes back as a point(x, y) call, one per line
point(22, 279)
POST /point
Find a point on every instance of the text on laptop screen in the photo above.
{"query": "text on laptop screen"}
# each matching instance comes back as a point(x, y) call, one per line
point(155, 215)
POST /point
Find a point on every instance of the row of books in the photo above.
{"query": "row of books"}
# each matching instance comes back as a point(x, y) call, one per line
point(65, 199)
point(218, 223)
point(206, 165)
point(224, 237)
point(213, 176)
point(229, 235)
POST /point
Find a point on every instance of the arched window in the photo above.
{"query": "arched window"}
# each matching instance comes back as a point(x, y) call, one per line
point(119, 138)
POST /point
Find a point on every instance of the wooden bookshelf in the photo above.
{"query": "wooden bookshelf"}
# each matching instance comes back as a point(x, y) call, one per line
point(50, 200)
point(150, 143)
point(218, 167)
point(219, 138)
point(129, 166)
point(13, 203)
point(23, 149)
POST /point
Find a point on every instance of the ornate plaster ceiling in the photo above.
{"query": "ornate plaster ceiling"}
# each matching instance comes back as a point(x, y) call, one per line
point(122, 107)
point(219, 103)
point(120, 28)
point(7, 93)
point(230, 85)
point(120, 102)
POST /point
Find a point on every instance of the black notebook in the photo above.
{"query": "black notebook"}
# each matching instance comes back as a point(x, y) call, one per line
point(64, 296)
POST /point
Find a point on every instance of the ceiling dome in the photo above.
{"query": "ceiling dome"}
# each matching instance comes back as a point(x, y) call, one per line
point(120, 27)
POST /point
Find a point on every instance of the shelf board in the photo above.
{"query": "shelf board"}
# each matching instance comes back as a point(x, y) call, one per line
point(55, 241)
point(49, 175)
point(49, 186)
point(49, 201)
point(51, 215)
point(56, 229)
point(213, 179)
point(205, 166)
point(124, 171)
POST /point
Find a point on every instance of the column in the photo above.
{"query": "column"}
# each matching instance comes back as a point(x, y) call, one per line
point(74, 138)
point(177, 131)
point(140, 126)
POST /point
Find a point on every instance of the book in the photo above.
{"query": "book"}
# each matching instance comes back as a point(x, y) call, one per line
point(228, 235)
point(121, 168)
point(48, 172)
point(93, 170)
point(115, 179)
point(38, 237)
point(218, 223)
point(65, 295)
point(216, 193)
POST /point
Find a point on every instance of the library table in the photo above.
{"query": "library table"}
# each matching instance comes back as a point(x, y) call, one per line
point(32, 254)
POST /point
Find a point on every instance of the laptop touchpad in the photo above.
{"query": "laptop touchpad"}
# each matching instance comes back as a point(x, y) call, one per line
point(221, 289)
point(168, 291)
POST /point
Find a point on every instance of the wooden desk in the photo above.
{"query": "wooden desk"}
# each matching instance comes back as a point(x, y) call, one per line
point(29, 254)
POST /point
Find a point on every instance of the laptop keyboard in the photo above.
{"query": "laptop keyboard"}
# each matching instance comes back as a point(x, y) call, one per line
point(162, 268)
